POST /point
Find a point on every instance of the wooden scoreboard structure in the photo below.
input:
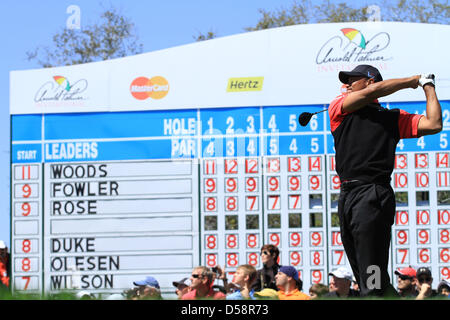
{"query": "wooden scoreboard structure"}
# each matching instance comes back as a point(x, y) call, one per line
point(157, 163)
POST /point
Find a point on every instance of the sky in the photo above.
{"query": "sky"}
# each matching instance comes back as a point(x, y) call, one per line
point(27, 24)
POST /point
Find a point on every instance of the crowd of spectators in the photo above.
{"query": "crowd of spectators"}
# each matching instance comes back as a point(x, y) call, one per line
point(272, 281)
point(277, 282)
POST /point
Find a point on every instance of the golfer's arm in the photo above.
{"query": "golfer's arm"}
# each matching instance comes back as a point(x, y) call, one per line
point(358, 99)
point(432, 122)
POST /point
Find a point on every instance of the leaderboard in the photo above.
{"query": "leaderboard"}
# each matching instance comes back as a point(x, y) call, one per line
point(104, 199)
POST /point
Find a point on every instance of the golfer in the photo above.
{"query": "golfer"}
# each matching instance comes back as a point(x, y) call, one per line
point(365, 138)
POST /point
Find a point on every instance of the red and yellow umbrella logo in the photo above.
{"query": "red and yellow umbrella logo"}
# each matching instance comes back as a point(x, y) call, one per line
point(156, 88)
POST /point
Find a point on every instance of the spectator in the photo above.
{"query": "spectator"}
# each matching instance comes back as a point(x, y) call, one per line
point(265, 278)
point(148, 289)
point(202, 280)
point(355, 285)
point(423, 284)
point(318, 290)
point(243, 278)
point(132, 294)
point(289, 284)
point(406, 282)
point(116, 296)
point(84, 295)
point(443, 288)
point(4, 266)
point(182, 287)
point(340, 282)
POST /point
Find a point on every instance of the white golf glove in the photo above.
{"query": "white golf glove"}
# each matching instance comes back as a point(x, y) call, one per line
point(426, 79)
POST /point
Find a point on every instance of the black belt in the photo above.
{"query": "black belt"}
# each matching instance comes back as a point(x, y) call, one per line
point(350, 184)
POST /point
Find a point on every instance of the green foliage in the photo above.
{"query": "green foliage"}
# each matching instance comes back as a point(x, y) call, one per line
point(113, 37)
point(304, 11)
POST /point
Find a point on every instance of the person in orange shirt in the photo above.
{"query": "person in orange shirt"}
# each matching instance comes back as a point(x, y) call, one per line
point(290, 285)
point(4, 265)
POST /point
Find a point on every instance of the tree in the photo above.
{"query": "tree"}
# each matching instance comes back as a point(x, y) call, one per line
point(113, 37)
point(302, 12)
point(432, 11)
point(208, 36)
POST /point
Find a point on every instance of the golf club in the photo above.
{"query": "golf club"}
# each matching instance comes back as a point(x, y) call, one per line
point(305, 117)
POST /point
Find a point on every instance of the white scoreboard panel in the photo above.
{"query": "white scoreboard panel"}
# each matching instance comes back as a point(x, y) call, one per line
point(104, 199)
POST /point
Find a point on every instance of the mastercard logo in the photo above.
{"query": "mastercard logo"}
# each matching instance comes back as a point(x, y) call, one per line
point(156, 88)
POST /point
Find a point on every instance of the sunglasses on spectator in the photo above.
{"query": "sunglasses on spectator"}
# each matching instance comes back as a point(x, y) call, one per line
point(196, 276)
point(266, 253)
point(424, 280)
point(402, 277)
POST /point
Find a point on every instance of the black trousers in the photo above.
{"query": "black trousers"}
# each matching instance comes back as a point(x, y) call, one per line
point(366, 214)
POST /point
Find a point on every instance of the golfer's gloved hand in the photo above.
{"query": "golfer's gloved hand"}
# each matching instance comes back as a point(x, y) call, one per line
point(426, 79)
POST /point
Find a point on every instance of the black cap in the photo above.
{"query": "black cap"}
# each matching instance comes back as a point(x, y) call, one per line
point(423, 270)
point(363, 70)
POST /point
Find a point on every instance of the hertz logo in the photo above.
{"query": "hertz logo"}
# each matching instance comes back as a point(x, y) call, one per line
point(245, 84)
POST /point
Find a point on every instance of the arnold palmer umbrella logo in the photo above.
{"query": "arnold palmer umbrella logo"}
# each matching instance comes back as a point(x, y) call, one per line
point(351, 45)
point(61, 89)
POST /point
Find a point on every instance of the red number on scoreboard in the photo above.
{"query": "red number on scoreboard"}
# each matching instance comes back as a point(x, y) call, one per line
point(336, 238)
point(423, 255)
point(316, 276)
point(253, 258)
point(421, 160)
point(211, 204)
point(445, 272)
point(231, 203)
point(402, 218)
point(315, 182)
point(332, 163)
point(251, 165)
point(231, 166)
point(211, 260)
point(444, 255)
point(232, 241)
point(210, 185)
point(26, 209)
point(211, 241)
point(422, 179)
point(252, 241)
point(294, 183)
point(273, 183)
point(295, 239)
point(335, 182)
point(273, 203)
point(295, 258)
point(294, 165)
point(273, 165)
point(338, 257)
point(275, 239)
point(443, 179)
point(294, 202)
point(251, 184)
point(316, 239)
point(402, 236)
point(315, 164)
point(402, 256)
point(400, 180)
point(442, 160)
point(401, 161)
point(423, 217)
point(251, 203)
point(443, 217)
point(423, 236)
point(444, 236)
point(317, 258)
point(231, 185)
point(232, 260)
point(209, 167)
